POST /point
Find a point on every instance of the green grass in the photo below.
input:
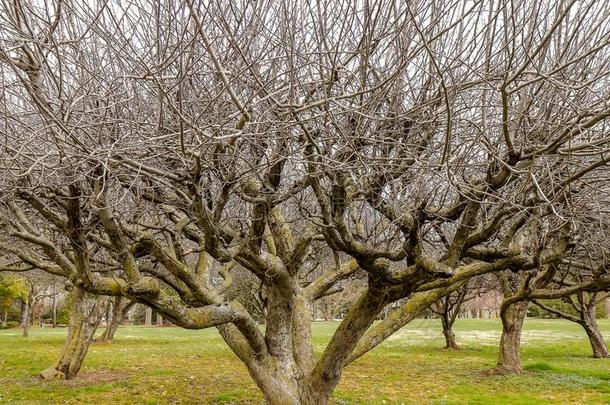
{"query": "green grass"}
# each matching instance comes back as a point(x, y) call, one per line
point(171, 365)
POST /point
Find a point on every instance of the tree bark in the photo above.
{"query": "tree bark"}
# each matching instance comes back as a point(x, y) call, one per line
point(279, 390)
point(589, 323)
point(120, 307)
point(84, 320)
point(450, 342)
point(296, 380)
point(291, 388)
point(329, 368)
point(398, 318)
point(512, 317)
point(586, 318)
point(25, 316)
point(54, 312)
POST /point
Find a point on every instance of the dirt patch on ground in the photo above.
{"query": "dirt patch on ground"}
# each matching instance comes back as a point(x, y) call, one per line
point(96, 377)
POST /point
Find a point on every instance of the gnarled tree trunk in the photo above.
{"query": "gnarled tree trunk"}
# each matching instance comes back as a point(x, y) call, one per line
point(85, 317)
point(512, 316)
point(120, 307)
point(294, 378)
point(589, 323)
point(586, 305)
point(447, 322)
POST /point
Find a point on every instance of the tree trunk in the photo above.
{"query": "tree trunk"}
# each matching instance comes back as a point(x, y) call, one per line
point(280, 390)
point(54, 313)
point(326, 309)
point(327, 372)
point(283, 390)
point(148, 317)
point(159, 319)
point(84, 320)
point(291, 387)
point(107, 314)
point(120, 307)
point(589, 323)
point(292, 379)
point(450, 342)
point(512, 317)
point(25, 317)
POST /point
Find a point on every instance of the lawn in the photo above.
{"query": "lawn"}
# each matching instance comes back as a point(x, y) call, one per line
point(149, 365)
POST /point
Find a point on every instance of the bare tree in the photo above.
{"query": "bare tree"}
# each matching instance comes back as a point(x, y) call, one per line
point(85, 317)
point(585, 305)
point(151, 147)
point(37, 284)
point(449, 307)
point(120, 308)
